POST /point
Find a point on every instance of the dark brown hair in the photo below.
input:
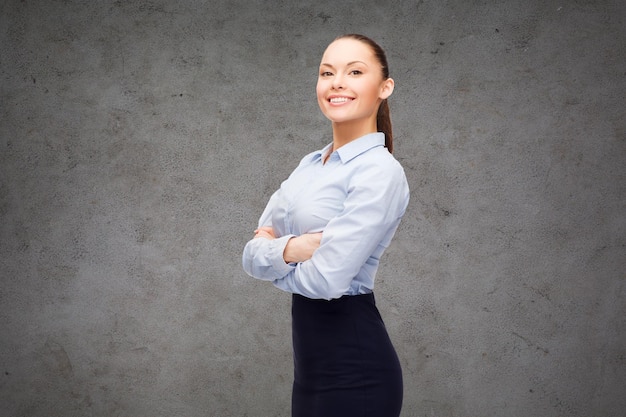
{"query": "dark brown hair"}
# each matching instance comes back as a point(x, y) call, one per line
point(383, 118)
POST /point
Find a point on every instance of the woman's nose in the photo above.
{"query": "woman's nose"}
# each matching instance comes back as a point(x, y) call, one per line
point(337, 82)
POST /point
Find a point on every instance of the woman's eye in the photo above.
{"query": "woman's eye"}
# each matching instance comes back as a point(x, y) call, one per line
point(356, 72)
point(325, 74)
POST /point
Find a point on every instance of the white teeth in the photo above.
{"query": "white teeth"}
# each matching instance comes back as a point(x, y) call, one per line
point(339, 99)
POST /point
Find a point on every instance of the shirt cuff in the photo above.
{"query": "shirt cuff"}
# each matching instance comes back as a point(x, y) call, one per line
point(277, 248)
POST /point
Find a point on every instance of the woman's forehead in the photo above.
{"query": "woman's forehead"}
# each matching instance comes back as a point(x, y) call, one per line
point(347, 50)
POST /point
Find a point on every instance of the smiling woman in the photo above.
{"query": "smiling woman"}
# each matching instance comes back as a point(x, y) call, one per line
point(352, 85)
point(321, 237)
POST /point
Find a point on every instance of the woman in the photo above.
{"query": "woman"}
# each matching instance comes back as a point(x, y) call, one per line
point(321, 237)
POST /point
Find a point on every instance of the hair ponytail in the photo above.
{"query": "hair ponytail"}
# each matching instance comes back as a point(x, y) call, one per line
point(383, 117)
point(383, 124)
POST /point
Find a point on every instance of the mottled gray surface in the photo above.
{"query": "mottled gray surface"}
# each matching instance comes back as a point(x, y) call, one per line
point(140, 141)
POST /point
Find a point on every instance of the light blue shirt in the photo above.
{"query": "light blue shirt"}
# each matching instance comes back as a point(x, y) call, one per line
point(356, 199)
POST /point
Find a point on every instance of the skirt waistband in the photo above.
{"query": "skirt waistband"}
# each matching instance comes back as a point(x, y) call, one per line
point(302, 306)
point(342, 299)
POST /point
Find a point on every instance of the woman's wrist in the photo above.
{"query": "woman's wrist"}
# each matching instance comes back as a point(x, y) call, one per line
point(288, 255)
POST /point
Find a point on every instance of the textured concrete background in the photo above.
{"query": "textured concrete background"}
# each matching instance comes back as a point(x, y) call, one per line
point(140, 141)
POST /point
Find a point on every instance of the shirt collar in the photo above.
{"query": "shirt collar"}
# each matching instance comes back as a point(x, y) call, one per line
point(356, 147)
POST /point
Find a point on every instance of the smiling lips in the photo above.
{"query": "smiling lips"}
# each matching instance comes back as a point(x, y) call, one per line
point(339, 100)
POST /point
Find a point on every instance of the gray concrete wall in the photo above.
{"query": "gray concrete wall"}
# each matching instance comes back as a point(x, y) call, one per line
point(140, 140)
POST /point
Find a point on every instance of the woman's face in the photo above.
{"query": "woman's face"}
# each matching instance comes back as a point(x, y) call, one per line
point(350, 85)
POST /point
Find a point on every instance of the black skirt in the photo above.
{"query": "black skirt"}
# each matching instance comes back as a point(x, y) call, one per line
point(344, 362)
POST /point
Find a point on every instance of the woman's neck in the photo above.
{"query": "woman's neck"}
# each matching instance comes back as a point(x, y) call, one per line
point(344, 133)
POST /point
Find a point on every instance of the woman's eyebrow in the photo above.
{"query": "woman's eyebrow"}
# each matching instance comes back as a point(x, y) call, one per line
point(323, 64)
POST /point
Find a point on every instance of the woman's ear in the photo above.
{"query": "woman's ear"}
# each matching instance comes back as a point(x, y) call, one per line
point(387, 89)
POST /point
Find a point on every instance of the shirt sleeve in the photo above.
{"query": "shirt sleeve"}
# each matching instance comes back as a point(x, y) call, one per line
point(377, 198)
point(263, 258)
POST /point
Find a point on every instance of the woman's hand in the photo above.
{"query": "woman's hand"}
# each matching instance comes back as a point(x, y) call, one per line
point(298, 249)
point(301, 248)
point(265, 232)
